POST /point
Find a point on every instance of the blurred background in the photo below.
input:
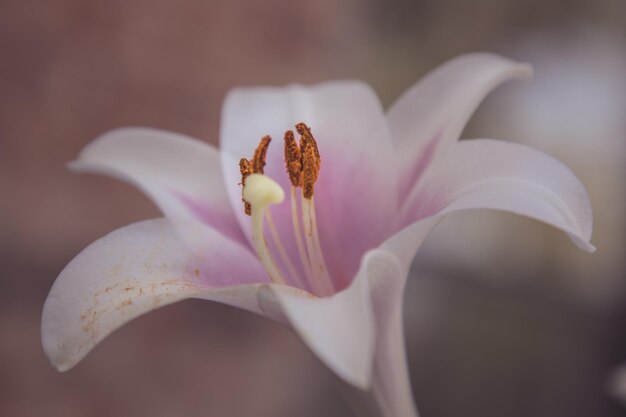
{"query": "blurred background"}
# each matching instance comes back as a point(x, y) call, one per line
point(504, 317)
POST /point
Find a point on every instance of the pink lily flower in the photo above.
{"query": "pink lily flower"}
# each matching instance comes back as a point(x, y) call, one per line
point(329, 261)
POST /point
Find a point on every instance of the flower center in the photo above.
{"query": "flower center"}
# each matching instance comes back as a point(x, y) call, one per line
point(260, 192)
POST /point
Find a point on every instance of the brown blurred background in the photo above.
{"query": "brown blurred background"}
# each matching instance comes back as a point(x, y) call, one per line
point(504, 317)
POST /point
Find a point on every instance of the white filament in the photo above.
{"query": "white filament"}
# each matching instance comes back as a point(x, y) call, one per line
point(298, 235)
point(282, 252)
point(321, 280)
point(260, 192)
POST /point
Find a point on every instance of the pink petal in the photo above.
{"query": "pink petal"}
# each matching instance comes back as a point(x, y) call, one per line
point(356, 194)
point(431, 115)
point(485, 173)
point(183, 176)
point(133, 270)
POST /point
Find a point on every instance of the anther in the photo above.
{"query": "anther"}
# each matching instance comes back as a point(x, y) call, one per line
point(309, 172)
point(258, 160)
point(245, 167)
point(305, 132)
point(310, 160)
point(293, 159)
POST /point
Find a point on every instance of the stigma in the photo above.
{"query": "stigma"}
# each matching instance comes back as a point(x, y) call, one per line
point(260, 192)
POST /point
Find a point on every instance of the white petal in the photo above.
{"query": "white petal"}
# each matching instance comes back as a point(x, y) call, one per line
point(431, 115)
point(473, 174)
point(356, 193)
point(340, 329)
point(144, 266)
point(391, 379)
point(183, 176)
point(405, 243)
point(485, 173)
point(392, 385)
point(134, 270)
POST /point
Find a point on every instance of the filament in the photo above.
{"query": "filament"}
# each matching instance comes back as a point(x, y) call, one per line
point(321, 281)
point(282, 252)
point(306, 265)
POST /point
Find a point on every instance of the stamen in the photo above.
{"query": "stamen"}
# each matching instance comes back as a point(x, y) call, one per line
point(261, 191)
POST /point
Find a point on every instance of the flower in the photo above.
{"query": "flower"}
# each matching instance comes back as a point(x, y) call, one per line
point(332, 260)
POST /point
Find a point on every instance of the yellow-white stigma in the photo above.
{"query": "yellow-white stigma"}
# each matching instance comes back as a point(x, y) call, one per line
point(260, 192)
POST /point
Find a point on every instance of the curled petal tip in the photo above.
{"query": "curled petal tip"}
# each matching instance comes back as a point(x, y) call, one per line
point(525, 70)
point(73, 166)
point(78, 166)
point(57, 352)
point(587, 247)
point(582, 243)
point(57, 357)
point(63, 367)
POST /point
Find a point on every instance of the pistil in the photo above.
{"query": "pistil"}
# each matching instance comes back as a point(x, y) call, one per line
point(260, 191)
